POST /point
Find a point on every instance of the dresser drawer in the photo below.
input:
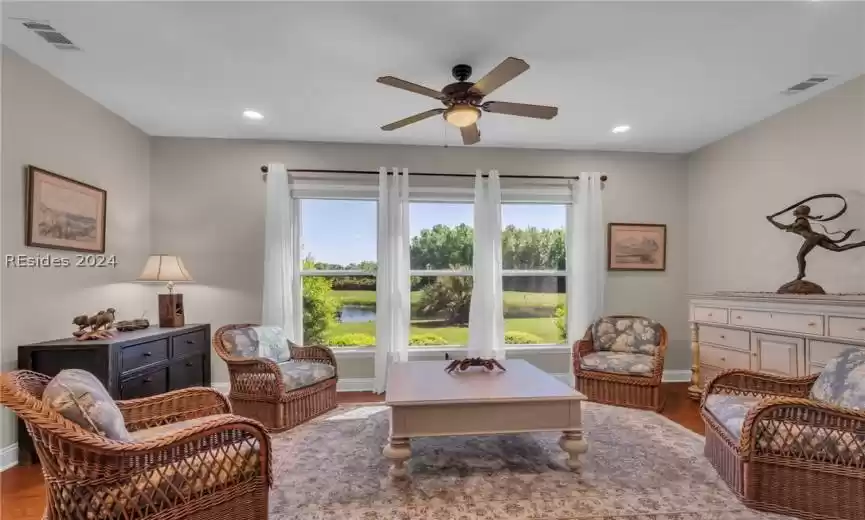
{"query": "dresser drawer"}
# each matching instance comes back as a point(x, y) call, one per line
point(847, 328)
point(821, 352)
point(724, 358)
point(187, 372)
point(143, 354)
point(710, 314)
point(145, 385)
point(188, 343)
point(783, 321)
point(777, 354)
point(738, 339)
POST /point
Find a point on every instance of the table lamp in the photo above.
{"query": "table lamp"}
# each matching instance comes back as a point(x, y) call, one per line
point(167, 268)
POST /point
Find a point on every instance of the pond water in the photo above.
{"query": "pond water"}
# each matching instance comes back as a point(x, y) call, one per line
point(355, 314)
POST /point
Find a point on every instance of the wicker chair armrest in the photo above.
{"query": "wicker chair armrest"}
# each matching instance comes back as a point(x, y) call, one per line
point(739, 381)
point(795, 416)
point(254, 376)
point(179, 405)
point(660, 356)
point(226, 439)
point(318, 353)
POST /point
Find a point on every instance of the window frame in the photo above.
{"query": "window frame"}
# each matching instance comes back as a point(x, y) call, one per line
point(542, 192)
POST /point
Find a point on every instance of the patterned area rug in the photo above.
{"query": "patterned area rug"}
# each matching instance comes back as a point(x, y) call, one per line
point(640, 466)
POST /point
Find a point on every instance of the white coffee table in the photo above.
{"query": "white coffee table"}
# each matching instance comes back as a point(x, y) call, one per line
point(426, 401)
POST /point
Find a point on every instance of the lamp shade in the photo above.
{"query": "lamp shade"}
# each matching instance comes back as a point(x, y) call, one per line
point(164, 268)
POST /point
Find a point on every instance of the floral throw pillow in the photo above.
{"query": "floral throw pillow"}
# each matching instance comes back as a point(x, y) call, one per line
point(264, 341)
point(627, 334)
point(80, 397)
point(842, 382)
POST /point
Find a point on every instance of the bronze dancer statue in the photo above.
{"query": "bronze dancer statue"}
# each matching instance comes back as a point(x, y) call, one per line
point(802, 227)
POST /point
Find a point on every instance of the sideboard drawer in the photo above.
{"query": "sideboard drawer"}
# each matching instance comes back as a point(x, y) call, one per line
point(847, 328)
point(143, 354)
point(821, 352)
point(738, 339)
point(710, 314)
point(188, 343)
point(724, 358)
point(145, 385)
point(783, 321)
point(187, 372)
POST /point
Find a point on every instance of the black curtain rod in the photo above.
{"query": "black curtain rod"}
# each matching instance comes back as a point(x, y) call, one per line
point(371, 172)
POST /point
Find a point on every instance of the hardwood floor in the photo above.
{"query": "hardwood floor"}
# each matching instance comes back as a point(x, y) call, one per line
point(22, 491)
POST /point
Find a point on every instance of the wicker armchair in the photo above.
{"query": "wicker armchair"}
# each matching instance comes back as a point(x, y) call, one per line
point(189, 458)
point(631, 374)
point(783, 450)
point(260, 390)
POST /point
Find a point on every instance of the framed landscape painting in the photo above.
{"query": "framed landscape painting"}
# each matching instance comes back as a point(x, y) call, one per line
point(63, 213)
point(637, 247)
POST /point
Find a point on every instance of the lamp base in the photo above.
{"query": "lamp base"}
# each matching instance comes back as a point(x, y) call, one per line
point(171, 312)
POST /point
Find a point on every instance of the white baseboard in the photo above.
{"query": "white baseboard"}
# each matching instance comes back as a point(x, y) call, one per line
point(355, 384)
point(222, 387)
point(677, 376)
point(8, 457)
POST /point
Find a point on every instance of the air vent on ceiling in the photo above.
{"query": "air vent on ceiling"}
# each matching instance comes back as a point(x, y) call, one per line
point(805, 85)
point(38, 26)
point(51, 35)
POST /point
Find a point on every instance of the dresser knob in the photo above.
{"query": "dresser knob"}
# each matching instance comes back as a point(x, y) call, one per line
point(189, 363)
point(812, 324)
point(738, 317)
point(147, 354)
point(754, 354)
point(148, 380)
point(861, 329)
point(723, 358)
point(723, 336)
point(189, 342)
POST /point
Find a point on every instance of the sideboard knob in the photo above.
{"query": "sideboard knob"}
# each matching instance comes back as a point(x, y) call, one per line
point(812, 324)
point(723, 336)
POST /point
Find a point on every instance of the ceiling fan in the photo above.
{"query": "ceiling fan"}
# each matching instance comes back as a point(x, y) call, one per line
point(464, 102)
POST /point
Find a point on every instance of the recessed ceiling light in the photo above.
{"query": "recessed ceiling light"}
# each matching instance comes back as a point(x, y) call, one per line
point(621, 129)
point(252, 114)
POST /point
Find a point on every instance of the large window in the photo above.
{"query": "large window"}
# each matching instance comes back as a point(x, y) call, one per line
point(441, 277)
point(338, 242)
point(533, 284)
point(339, 245)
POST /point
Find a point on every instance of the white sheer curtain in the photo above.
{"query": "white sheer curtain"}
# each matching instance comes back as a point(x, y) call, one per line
point(280, 298)
point(393, 290)
point(486, 318)
point(586, 255)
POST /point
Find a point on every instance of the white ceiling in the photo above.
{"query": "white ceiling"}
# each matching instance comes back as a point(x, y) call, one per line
point(681, 74)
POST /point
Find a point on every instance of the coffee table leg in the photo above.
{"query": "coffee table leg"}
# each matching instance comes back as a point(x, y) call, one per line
point(398, 451)
point(574, 445)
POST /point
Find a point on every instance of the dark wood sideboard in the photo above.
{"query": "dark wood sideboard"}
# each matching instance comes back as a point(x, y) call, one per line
point(132, 364)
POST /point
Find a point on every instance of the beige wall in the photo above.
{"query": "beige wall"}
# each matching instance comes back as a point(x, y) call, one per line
point(207, 203)
point(48, 124)
point(815, 147)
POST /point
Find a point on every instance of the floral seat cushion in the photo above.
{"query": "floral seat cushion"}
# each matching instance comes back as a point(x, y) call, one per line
point(80, 397)
point(619, 363)
point(162, 486)
point(263, 341)
point(730, 410)
point(626, 334)
point(842, 382)
point(298, 374)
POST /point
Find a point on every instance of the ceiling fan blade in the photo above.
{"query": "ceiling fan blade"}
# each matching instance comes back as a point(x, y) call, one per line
point(411, 87)
point(521, 109)
point(504, 72)
point(412, 119)
point(471, 134)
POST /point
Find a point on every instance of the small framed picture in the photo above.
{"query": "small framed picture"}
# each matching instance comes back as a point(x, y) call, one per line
point(637, 247)
point(63, 213)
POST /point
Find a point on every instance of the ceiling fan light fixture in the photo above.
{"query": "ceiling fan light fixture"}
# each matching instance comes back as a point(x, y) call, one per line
point(462, 115)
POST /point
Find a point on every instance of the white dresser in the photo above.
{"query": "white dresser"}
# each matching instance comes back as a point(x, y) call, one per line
point(783, 334)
